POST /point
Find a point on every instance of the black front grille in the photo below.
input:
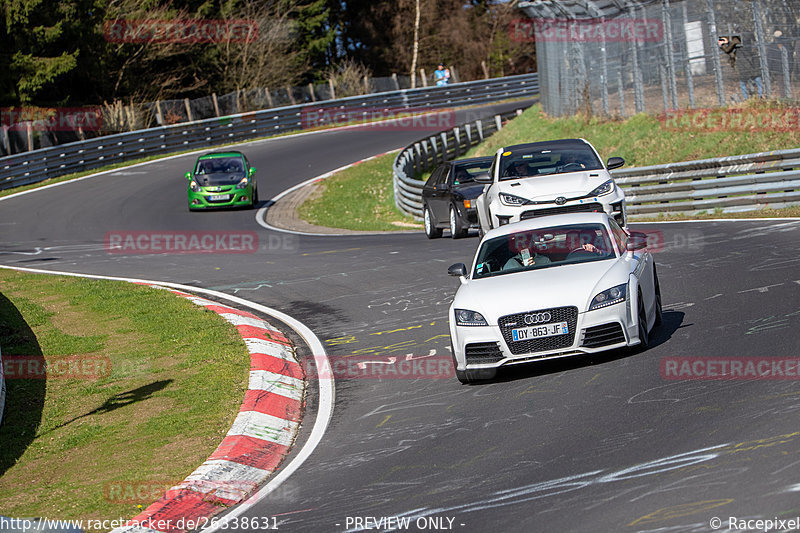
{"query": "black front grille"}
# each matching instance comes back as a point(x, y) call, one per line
point(482, 352)
point(578, 208)
point(603, 335)
point(557, 314)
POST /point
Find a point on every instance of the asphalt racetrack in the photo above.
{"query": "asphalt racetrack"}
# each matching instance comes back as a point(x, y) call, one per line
point(605, 443)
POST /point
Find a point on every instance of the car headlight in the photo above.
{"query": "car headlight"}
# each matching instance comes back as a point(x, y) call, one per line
point(465, 317)
point(510, 199)
point(194, 186)
point(611, 296)
point(242, 184)
point(605, 188)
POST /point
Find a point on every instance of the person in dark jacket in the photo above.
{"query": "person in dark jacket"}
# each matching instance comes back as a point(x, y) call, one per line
point(742, 55)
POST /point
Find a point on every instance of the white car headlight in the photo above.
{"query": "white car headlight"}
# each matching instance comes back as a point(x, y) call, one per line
point(510, 199)
point(464, 317)
point(611, 296)
point(605, 188)
point(242, 184)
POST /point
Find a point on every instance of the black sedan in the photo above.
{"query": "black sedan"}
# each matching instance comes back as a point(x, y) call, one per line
point(448, 198)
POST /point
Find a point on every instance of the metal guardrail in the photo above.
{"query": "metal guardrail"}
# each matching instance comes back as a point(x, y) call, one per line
point(733, 183)
point(426, 153)
point(729, 184)
point(38, 165)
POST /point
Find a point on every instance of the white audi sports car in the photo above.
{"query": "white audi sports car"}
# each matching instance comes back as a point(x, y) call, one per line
point(548, 178)
point(549, 287)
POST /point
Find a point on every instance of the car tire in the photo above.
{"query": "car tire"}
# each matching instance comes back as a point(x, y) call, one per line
point(457, 229)
point(644, 334)
point(659, 310)
point(431, 231)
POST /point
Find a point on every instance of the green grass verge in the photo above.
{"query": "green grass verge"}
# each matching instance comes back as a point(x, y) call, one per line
point(641, 140)
point(358, 198)
point(98, 447)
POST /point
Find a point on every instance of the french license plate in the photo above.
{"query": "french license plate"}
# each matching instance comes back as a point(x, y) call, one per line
point(219, 197)
point(537, 332)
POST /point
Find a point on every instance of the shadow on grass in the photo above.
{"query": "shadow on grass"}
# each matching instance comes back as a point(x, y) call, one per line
point(24, 397)
point(121, 400)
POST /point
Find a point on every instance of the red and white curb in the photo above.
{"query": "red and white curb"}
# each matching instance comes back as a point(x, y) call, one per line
point(257, 442)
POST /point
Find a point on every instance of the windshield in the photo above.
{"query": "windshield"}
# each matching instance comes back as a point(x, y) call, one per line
point(465, 173)
point(220, 165)
point(546, 161)
point(543, 248)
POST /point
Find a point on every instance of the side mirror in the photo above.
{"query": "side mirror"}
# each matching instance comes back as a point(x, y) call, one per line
point(252, 171)
point(614, 162)
point(482, 177)
point(637, 241)
point(188, 176)
point(459, 269)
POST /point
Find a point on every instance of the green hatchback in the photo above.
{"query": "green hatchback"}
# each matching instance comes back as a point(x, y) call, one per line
point(222, 179)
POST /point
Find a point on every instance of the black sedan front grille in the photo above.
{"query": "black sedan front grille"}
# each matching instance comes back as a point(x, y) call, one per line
point(482, 352)
point(603, 335)
point(556, 342)
point(578, 208)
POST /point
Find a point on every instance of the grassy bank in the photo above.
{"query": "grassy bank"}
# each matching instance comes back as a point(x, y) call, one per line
point(361, 193)
point(358, 198)
point(159, 385)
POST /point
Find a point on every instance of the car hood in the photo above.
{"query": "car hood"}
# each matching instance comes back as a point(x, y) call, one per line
point(217, 179)
point(469, 190)
point(569, 185)
point(555, 286)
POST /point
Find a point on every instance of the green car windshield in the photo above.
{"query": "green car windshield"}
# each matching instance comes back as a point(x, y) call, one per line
point(220, 165)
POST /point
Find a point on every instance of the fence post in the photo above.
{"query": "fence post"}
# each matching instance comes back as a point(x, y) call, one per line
point(29, 132)
point(159, 114)
point(216, 104)
point(787, 82)
point(712, 30)
point(333, 91)
point(689, 79)
point(762, 48)
point(188, 109)
point(670, 54)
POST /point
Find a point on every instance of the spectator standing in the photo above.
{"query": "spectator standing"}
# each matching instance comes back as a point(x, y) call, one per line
point(442, 75)
point(743, 61)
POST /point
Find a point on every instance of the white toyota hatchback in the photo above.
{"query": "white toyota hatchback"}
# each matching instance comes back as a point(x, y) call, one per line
point(552, 287)
point(548, 178)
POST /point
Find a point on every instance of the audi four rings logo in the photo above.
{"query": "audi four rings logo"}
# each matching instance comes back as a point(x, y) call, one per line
point(537, 318)
point(561, 200)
